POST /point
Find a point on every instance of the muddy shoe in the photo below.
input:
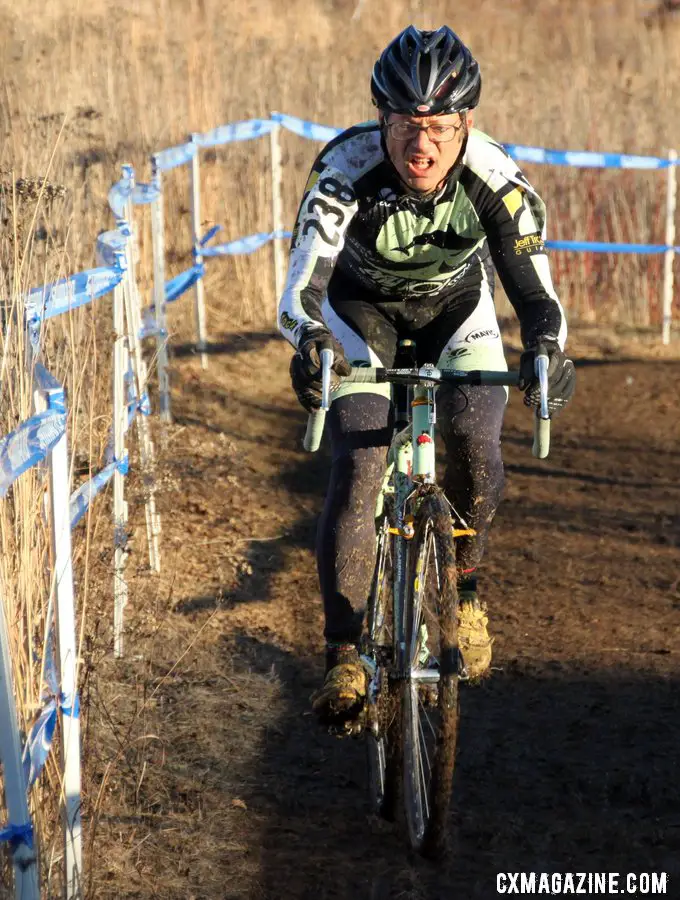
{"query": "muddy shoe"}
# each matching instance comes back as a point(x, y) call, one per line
point(473, 638)
point(338, 704)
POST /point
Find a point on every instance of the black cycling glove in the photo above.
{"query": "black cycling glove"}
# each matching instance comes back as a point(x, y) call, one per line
point(305, 366)
point(561, 376)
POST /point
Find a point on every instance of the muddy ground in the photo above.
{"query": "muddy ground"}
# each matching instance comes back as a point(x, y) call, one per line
point(213, 781)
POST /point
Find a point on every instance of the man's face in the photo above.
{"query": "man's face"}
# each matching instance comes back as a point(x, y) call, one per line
point(421, 158)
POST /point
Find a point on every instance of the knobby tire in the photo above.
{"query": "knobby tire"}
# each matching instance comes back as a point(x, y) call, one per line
point(433, 528)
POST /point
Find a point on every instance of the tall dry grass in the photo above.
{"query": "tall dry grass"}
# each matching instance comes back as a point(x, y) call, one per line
point(87, 86)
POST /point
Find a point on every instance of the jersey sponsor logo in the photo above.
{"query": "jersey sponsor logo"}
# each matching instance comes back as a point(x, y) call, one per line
point(483, 334)
point(455, 353)
point(430, 247)
point(444, 240)
point(532, 243)
point(288, 322)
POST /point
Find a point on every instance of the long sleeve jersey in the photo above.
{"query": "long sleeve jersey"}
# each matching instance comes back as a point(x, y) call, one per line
point(357, 215)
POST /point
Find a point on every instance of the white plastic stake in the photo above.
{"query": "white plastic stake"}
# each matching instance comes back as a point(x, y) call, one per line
point(134, 327)
point(120, 507)
point(671, 196)
point(158, 243)
point(199, 295)
point(277, 211)
point(68, 665)
point(23, 857)
point(51, 393)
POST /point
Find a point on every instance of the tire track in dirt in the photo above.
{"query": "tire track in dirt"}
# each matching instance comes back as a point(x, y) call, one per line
point(568, 754)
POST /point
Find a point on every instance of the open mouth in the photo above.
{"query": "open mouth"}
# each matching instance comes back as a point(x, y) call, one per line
point(419, 165)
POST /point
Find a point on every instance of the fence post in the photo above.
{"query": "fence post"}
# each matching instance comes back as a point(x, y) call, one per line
point(277, 210)
point(158, 245)
point(201, 342)
point(134, 327)
point(671, 193)
point(23, 855)
point(51, 391)
point(120, 507)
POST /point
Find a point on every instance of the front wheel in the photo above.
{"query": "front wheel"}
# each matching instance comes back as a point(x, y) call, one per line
point(430, 679)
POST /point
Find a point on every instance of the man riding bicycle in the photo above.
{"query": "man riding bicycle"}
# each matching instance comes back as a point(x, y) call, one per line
point(400, 225)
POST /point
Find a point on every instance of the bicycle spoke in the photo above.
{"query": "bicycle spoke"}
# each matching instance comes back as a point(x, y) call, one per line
point(424, 743)
point(429, 721)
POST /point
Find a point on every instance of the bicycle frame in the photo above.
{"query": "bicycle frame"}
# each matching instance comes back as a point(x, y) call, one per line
point(411, 461)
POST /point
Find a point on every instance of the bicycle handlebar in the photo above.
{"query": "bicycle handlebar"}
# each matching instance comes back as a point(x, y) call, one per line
point(541, 446)
point(429, 375)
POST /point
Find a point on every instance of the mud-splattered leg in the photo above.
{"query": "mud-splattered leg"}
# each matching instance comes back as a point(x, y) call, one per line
point(470, 421)
point(360, 429)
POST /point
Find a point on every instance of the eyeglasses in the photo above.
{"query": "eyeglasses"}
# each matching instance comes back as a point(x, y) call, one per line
point(438, 134)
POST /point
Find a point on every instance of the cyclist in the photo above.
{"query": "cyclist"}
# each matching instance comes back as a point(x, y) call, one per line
point(400, 225)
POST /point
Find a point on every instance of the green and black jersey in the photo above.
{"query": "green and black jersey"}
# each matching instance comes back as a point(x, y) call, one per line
point(357, 217)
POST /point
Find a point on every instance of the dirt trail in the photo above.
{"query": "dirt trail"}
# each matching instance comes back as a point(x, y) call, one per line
point(569, 753)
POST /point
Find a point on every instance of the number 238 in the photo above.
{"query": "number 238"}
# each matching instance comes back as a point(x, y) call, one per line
point(332, 213)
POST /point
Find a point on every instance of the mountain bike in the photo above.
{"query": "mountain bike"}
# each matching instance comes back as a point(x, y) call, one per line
point(410, 647)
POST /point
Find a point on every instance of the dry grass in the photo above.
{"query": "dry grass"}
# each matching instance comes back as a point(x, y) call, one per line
point(87, 86)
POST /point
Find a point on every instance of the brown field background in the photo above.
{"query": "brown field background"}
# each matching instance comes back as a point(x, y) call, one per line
point(89, 85)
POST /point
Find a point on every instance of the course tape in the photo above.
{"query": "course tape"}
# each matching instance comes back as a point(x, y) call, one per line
point(174, 156)
point(17, 834)
point(245, 244)
point(111, 247)
point(604, 247)
point(182, 282)
point(69, 293)
point(306, 129)
point(83, 496)
point(126, 189)
point(39, 742)
point(235, 131)
point(28, 445)
point(56, 395)
point(585, 158)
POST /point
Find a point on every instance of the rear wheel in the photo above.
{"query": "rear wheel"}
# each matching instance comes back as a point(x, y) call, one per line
point(382, 725)
point(430, 685)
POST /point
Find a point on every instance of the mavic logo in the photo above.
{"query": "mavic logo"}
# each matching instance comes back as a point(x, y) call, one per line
point(487, 334)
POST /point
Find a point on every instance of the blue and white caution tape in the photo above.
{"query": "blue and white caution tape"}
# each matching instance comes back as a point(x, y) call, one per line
point(235, 131)
point(69, 293)
point(56, 395)
point(585, 158)
point(111, 248)
point(17, 834)
point(306, 129)
point(120, 193)
point(248, 244)
point(28, 445)
point(39, 742)
point(174, 156)
point(81, 498)
point(604, 247)
point(182, 282)
point(144, 194)
point(126, 189)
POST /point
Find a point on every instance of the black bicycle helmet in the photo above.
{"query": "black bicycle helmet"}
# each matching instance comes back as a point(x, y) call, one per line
point(426, 73)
